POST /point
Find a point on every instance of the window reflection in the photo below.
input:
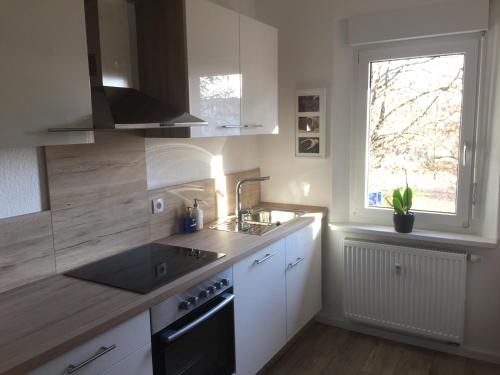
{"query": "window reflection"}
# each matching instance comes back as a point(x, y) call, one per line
point(220, 97)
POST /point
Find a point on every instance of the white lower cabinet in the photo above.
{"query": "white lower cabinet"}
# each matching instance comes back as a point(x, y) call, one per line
point(303, 278)
point(125, 349)
point(259, 308)
point(278, 290)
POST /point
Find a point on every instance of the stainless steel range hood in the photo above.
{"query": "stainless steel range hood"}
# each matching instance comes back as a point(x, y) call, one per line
point(124, 108)
point(119, 100)
point(128, 108)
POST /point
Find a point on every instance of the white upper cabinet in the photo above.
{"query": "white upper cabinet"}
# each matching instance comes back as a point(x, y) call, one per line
point(43, 73)
point(232, 65)
point(259, 71)
point(212, 34)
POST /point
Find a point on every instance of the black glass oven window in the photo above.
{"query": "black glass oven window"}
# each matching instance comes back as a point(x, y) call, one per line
point(208, 349)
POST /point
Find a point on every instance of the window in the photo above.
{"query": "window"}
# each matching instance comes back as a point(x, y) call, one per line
point(416, 117)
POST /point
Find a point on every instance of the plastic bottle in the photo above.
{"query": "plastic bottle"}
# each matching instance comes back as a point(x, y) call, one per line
point(189, 223)
point(198, 214)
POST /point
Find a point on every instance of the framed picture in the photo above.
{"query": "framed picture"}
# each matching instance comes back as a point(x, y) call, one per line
point(310, 124)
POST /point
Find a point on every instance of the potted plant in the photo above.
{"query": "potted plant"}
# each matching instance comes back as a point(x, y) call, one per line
point(403, 217)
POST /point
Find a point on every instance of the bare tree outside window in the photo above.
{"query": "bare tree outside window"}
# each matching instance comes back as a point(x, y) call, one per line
point(415, 112)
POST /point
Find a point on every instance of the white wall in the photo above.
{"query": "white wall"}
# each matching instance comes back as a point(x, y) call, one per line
point(305, 37)
point(22, 178)
point(313, 53)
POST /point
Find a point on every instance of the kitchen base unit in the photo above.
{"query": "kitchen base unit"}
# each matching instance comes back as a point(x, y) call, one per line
point(278, 290)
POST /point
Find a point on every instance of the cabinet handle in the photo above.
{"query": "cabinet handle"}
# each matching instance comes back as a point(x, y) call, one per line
point(259, 261)
point(297, 261)
point(73, 368)
point(465, 149)
point(246, 126)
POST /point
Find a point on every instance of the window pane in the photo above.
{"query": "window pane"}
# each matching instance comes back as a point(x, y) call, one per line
point(415, 111)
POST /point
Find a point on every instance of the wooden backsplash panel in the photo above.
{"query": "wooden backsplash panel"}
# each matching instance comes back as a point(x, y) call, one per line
point(176, 199)
point(26, 249)
point(98, 198)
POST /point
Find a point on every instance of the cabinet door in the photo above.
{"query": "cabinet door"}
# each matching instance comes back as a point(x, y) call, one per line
point(115, 345)
point(212, 34)
point(44, 73)
point(259, 70)
point(303, 277)
point(259, 308)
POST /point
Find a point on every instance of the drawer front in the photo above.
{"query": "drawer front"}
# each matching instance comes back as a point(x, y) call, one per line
point(138, 363)
point(299, 245)
point(115, 345)
point(250, 265)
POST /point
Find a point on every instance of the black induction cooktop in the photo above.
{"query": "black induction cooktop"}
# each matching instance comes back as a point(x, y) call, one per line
point(145, 268)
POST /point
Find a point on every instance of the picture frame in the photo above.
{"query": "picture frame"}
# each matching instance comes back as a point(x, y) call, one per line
point(310, 123)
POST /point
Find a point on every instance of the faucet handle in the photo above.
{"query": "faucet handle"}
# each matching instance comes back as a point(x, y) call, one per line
point(246, 211)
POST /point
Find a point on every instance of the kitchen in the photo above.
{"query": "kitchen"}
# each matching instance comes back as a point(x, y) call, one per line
point(116, 115)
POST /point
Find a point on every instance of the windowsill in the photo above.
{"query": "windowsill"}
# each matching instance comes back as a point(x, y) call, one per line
point(431, 237)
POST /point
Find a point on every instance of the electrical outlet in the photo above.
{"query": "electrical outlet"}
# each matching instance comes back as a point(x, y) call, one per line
point(158, 205)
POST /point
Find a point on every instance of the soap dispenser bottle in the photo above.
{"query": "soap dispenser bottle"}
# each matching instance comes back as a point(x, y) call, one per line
point(189, 223)
point(198, 214)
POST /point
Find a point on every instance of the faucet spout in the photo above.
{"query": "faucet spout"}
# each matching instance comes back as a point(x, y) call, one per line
point(239, 184)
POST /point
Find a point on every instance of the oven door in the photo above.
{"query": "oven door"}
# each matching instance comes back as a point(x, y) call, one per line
point(200, 343)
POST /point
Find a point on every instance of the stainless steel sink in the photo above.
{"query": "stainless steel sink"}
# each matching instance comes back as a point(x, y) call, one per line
point(257, 222)
point(269, 216)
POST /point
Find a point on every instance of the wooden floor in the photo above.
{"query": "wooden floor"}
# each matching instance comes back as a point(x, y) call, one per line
point(323, 349)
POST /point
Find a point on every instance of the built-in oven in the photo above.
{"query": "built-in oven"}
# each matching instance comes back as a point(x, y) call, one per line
point(193, 332)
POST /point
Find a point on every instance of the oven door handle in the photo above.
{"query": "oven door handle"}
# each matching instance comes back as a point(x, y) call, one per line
point(171, 335)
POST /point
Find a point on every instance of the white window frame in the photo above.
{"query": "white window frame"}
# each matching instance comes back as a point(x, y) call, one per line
point(466, 44)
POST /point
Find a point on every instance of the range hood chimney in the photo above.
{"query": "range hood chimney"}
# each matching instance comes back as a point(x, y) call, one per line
point(113, 61)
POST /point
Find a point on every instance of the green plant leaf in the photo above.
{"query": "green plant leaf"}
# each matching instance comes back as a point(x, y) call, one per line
point(398, 207)
point(397, 201)
point(407, 199)
point(396, 194)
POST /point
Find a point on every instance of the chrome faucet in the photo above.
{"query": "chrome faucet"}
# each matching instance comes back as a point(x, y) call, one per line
point(239, 211)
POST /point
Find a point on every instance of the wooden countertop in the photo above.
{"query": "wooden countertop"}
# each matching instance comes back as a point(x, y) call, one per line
point(45, 319)
point(296, 207)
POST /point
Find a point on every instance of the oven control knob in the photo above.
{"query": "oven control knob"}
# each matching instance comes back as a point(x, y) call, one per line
point(225, 282)
point(184, 305)
point(203, 294)
point(218, 285)
point(193, 300)
point(211, 289)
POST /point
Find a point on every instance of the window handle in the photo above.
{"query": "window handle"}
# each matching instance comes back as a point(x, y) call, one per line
point(465, 149)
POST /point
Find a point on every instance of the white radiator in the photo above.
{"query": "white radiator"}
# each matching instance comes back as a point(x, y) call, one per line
point(407, 289)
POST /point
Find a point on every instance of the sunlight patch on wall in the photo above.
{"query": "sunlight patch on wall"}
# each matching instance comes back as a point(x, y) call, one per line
point(114, 81)
point(306, 188)
point(217, 173)
point(176, 163)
